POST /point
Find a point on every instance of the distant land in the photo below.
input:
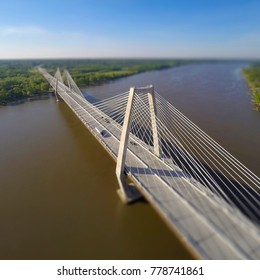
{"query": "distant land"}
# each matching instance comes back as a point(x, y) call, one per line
point(19, 79)
point(252, 75)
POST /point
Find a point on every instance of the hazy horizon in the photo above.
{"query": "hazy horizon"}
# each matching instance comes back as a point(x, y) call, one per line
point(213, 59)
point(127, 29)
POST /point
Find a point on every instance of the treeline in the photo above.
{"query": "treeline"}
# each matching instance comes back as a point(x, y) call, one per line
point(96, 71)
point(252, 75)
point(19, 78)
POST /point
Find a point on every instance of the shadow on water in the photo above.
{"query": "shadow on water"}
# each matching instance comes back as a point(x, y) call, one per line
point(91, 99)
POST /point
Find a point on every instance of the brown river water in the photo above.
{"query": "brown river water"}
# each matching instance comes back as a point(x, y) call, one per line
point(58, 195)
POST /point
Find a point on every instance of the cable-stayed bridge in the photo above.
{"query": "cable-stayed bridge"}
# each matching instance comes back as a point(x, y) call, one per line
point(202, 192)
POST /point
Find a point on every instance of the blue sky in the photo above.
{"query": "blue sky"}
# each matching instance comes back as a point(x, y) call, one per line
point(130, 28)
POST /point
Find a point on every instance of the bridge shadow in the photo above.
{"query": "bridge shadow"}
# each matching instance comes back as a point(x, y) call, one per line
point(230, 189)
point(228, 186)
point(151, 171)
point(91, 99)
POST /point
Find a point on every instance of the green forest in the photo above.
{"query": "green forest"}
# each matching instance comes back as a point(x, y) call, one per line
point(19, 79)
point(252, 75)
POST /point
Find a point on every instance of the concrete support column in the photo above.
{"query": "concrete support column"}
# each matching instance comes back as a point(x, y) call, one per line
point(153, 111)
point(127, 192)
point(120, 165)
point(125, 134)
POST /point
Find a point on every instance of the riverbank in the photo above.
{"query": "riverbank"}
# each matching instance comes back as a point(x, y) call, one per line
point(19, 80)
point(252, 76)
point(40, 96)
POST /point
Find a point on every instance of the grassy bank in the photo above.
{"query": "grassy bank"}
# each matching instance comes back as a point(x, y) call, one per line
point(19, 79)
point(252, 76)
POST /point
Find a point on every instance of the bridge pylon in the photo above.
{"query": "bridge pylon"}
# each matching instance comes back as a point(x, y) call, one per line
point(58, 78)
point(56, 90)
point(128, 192)
point(153, 112)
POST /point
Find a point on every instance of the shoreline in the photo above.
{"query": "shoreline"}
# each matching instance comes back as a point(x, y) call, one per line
point(43, 95)
point(50, 93)
point(254, 91)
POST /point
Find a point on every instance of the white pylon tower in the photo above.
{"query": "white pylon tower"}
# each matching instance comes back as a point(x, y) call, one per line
point(58, 78)
point(128, 192)
point(56, 90)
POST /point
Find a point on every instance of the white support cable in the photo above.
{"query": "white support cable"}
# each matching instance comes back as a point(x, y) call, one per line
point(214, 144)
point(109, 110)
point(249, 203)
point(220, 220)
point(137, 129)
point(114, 97)
point(195, 164)
point(243, 196)
point(104, 115)
point(116, 105)
point(168, 147)
point(111, 103)
point(143, 124)
point(213, 140)
point(143, 110)
point(58, 75)
point(78, 97)
point(220, 190)
point(195, 145)
point(162, 169)
point(116, 117)
point(72, 84)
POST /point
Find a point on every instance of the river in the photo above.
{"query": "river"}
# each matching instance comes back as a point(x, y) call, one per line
point(58, 187)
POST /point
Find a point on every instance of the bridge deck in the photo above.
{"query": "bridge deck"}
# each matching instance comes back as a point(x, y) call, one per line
point(181, 210)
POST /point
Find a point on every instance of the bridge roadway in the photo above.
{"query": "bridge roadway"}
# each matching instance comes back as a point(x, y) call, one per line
point(211, 232)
